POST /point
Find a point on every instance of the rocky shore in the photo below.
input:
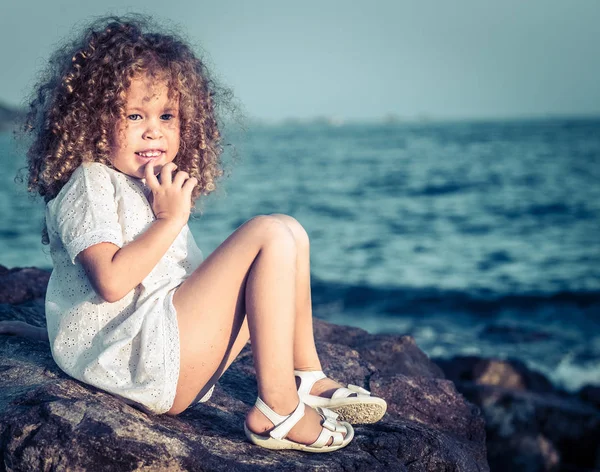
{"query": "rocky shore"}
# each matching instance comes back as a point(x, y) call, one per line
point(437, 418)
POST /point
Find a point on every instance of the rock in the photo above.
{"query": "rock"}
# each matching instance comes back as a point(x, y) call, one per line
point(49, 421)
point(512, 374)
point(21, 285)
point(591, 394)
point(530, 425)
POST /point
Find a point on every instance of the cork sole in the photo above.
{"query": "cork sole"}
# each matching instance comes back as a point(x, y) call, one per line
point(360, 413)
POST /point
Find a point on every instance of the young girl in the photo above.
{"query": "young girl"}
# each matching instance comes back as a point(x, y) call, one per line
point(125, 137)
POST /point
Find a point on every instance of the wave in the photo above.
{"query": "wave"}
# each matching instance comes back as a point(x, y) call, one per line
point(422, 301)
point(556, 334)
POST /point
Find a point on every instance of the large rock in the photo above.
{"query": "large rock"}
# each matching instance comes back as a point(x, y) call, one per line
point(21, 285)
point(49, 421)
point(531, 425)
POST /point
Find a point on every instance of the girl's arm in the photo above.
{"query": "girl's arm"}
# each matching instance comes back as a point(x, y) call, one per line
point(114, 271)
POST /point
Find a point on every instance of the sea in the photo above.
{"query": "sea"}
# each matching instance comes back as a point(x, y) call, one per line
point(475, 237)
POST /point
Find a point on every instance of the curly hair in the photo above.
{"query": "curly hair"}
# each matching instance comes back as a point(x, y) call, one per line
point(82, 95)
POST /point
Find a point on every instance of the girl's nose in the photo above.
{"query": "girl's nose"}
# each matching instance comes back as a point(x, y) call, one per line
point(152, 132)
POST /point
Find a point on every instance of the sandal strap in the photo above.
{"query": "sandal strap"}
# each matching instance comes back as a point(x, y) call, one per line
point(359, 390)
point(330, 430)
point(307, 380)
point(344, 392)
point(334, 426)
point(326, 413)
point(283, 424)
point(324, 438)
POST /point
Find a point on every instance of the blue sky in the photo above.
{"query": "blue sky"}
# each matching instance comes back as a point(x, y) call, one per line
point(357, 60)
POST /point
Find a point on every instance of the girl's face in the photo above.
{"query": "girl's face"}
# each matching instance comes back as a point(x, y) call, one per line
point(150, 131)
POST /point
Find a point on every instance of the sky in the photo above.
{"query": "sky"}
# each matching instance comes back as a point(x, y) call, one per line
point(355, 60)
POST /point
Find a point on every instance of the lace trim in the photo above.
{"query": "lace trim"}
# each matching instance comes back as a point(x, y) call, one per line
point(89, 239)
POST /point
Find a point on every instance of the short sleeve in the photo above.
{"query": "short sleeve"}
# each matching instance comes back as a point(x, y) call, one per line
point(85, 212)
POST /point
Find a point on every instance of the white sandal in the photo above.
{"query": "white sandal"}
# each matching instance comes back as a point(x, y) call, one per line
point(283, 425)
point(359, 409)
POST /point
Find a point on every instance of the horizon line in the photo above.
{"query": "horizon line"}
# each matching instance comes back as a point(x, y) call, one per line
point(389, 118)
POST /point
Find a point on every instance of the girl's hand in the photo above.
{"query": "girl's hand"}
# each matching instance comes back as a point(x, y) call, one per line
point(114, 271)
point(171, 197)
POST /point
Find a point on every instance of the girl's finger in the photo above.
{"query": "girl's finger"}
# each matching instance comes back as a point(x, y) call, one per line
point(166, 174)
point(180, 178)
point(151, 180)
point(189, 185)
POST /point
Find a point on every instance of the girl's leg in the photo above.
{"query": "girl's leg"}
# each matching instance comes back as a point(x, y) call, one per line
point(305, 351)
point(252, 272)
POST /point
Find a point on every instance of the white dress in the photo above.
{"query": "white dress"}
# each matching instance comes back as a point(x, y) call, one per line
point(129, 348)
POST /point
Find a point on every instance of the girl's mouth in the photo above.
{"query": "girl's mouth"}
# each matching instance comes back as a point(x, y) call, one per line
point(150, 154)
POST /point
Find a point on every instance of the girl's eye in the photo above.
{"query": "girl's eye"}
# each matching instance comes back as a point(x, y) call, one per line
point(167, 117)
point(134, 117)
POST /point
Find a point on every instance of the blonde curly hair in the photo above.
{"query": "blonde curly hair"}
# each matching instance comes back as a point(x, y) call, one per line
point(82, 95)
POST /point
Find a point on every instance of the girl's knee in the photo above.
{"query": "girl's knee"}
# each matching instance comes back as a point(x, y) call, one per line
point(270, 225)
point(274, 232)
point(298, 231)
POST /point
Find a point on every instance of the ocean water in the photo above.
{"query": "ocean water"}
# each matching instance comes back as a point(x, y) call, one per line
point(477, 238)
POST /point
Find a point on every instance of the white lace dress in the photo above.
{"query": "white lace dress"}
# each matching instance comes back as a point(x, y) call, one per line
point(129, 348)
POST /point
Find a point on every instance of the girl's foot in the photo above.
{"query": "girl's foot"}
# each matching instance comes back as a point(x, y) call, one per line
point(323, 387)
point(353, 404)
point(306, 431)
point(20, 328)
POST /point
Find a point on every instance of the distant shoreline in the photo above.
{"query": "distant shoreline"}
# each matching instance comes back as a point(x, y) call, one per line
point(333, 122)
point(10, 115)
